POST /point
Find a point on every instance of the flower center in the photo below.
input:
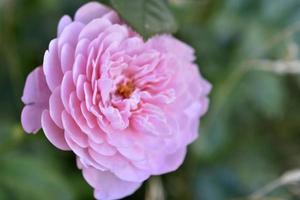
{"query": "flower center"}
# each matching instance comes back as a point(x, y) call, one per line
point(125, 90)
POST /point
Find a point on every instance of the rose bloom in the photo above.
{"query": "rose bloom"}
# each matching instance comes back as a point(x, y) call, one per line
point(127, 108)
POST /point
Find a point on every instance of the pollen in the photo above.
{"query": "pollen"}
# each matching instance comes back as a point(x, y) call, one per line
point(125, 90)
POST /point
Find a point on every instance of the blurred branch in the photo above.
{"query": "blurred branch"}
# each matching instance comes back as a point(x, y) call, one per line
point(281, 67)
point(155, 190)
point(290, 177)
point(279, 37)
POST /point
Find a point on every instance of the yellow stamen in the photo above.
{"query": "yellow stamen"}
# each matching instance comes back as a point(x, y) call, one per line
point(125, 90)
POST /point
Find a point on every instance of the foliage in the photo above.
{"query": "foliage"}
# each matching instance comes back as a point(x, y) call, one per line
point(148, 17)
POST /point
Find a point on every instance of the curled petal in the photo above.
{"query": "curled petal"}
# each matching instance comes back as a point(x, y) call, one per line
point(83, 154)
point(94, 28)
point(54, 134)
point(82, 46)
point(103, 148)
point(73, 131)
point(107, 186)
point(63, 22)
point(90, 11)
point(56, 107)
point(67, 87)
point(121, 167)
point(31, 118)
point(36, 89)
point(78, 67)
point(113, 17)
point(51, 66)
point(114, 117)
point(69, 35)
point(168, 163)
point(67, 58)
point(35, 96)
point(170, 45)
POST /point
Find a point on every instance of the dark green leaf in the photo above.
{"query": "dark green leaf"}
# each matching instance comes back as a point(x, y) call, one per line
point(147, 17)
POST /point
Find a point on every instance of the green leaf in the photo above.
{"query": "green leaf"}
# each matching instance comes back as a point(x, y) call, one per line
point(147, 17)
point(28, 178)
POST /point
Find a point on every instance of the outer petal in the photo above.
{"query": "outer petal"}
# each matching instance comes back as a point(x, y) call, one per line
point(168, 44)
point(35, 96)
point(54, 134)
point(107, 186)
point(31, 118)
point(169, 163)
point(94, 28)
point(51, 66)
point(56, 107)
point(69, 36)
point(67, 57)
point(73, 130)
point(36, 89)
point(63, 22)
point(90, 11)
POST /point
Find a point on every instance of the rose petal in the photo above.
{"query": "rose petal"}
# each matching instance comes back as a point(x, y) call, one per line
point(83, 154)
point(31, 118)
point(90, 11)
point(51, 66)
point(168, 163)
point(170, 45)
point(113, 17)
point(67, 87)
point(79, 67)
point(36, 89)
point(94, 28)
point(103, 148)
point(69, 35)
point(106, 184)
point(73, 130)
point(67, 58)
point(56, 107)
point(63, 22)
point(54, 134)
point(36, 94)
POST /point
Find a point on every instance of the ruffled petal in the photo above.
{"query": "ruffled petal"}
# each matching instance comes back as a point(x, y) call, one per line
point(67, 57)
point(56, 107)
point(73, 131)
point(169, 162)
point(94, 28)
point(36, 89)
point(69, 35)
point(90, 11)
point(170, 45)
point(31, 118)
point(107, 186)
point(51, 66)
point(63, 22)
point(35, 95)
point(54, 134)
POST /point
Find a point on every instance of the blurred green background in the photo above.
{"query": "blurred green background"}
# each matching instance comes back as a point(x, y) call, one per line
point(248, 50)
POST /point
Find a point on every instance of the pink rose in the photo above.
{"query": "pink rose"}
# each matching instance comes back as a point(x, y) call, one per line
point(126, 108)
